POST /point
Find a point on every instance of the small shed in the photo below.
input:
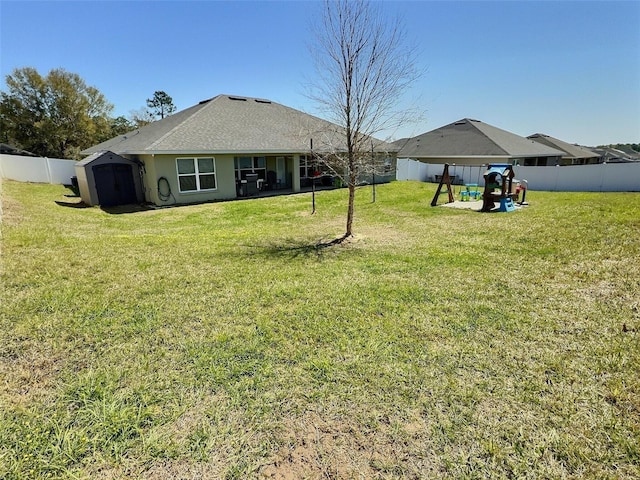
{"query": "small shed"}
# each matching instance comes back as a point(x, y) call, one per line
point(107, 179)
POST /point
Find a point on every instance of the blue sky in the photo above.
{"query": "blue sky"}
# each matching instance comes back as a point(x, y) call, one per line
point(569, 69)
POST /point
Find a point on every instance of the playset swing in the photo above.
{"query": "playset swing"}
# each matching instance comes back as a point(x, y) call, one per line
point(471, 190)
point(467, 191)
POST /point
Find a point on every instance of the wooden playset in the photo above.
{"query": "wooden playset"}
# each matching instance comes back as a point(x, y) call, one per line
point(498, 188)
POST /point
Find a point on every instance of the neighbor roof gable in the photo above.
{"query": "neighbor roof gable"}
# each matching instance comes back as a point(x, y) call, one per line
point(573, 151)
point(473, 138)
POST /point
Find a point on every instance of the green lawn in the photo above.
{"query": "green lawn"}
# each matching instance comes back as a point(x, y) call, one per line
point(216, 341)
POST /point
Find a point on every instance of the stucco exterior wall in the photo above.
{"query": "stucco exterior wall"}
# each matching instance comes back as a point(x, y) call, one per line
point(148, 172)
point(164, 166)
point(163, 169)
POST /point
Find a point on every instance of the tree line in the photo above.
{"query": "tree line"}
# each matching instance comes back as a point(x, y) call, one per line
point(58, 115)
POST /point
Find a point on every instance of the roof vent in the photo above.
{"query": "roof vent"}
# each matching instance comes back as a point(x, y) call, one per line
point(204, 101)
point(262, 100)
point(240, 99)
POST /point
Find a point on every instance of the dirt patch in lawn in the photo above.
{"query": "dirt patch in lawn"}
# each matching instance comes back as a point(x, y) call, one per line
point(318, 448)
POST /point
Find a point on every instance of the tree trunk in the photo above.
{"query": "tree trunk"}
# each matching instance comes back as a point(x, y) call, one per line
point(352, 195)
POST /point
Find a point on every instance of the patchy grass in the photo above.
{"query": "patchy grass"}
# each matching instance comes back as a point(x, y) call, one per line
point(216, 341)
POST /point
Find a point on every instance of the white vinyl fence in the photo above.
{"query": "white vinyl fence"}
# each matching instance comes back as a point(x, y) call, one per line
point(605, 177)
point(412, 170)
point(37, 169)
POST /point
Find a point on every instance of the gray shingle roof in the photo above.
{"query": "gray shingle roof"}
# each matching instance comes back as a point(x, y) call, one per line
point(472, 138)
point(610, 154)
point(571, 151)
point(10, 150)
point(230, 124)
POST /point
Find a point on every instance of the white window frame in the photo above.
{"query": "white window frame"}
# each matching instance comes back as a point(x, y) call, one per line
point(197, 174)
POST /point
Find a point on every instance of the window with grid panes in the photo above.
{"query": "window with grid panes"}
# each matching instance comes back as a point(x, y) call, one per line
point(196, 174)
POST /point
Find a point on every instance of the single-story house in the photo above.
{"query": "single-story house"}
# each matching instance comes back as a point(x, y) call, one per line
point(472, 142)
point(573, 154)
point(617, 155)
point(229, 147)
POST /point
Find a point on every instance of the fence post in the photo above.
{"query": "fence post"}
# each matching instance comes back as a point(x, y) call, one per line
point(46, 162)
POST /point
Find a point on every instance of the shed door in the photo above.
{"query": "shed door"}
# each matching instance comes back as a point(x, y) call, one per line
point(114, 184)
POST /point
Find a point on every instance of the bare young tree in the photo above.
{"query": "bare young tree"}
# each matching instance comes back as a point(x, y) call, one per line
point(363, 66)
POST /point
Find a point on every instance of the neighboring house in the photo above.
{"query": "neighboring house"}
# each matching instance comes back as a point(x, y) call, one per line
point(616, 155)
point(573, 154)
point(229, 146)
point(11, 150)
point(471, 142)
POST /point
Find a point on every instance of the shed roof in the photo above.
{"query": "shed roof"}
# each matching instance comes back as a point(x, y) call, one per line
point(571, 150)
point(473, 138)
point(231, 124)
point(103, 155)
